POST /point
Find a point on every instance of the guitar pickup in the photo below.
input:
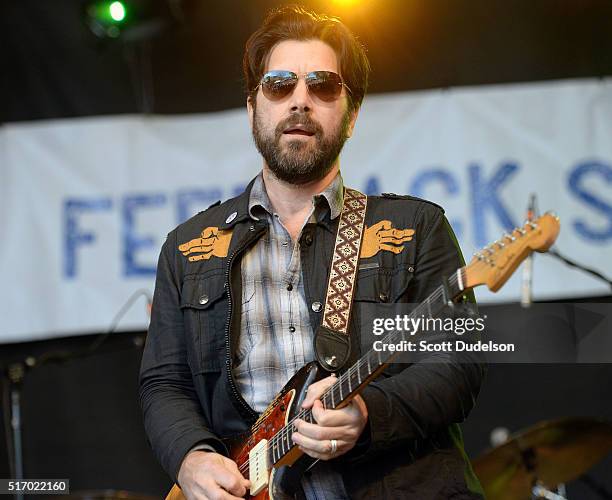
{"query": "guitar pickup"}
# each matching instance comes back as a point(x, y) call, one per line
point(258, 467)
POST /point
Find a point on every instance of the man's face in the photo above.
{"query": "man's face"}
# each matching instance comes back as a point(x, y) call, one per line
point(300, 136)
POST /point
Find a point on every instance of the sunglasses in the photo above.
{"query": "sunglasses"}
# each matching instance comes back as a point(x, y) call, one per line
point(326, 85)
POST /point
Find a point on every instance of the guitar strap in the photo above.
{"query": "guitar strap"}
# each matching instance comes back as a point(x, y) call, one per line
point(332, 341)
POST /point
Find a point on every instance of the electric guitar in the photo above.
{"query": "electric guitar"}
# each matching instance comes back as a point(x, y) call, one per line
point(266, 454)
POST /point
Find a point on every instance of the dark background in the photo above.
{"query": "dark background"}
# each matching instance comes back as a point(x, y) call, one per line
point(81, 418)
point(55, 67)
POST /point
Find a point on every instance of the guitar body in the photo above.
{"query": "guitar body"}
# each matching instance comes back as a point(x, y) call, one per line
point(285, 475)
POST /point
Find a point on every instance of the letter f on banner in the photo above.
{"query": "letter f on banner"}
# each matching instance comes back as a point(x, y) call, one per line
point(73, 236)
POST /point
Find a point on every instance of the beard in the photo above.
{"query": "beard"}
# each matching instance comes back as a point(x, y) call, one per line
point(300, 161)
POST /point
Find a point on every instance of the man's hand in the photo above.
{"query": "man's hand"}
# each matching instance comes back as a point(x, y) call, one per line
point(344, 425)
point(206, 475)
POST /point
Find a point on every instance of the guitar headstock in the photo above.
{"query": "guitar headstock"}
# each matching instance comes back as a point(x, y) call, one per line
point(494, 264)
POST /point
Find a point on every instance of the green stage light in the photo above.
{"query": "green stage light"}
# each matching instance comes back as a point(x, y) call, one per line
point(107, 18)
point(117, 11)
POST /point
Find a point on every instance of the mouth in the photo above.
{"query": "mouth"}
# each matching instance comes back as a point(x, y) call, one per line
point(298, 130)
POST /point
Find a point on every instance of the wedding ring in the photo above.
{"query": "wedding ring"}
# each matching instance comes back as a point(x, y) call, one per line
point(334, 446)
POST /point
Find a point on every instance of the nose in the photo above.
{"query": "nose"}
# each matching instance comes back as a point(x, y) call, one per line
point(300, 98)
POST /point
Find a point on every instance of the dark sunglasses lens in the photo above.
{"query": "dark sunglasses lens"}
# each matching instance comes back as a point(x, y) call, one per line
point(326, 85)
point(278, 84)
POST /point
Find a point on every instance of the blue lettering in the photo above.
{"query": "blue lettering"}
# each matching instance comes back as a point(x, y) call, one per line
point(74, 236)
point(485, 195)
point(372, 186)
point(133, 242)
point(575, 180)
point(450, 184)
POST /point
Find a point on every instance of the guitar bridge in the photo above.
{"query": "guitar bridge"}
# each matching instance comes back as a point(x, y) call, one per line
point(258, 467)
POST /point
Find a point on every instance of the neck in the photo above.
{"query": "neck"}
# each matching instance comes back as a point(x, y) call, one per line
point(293, 202)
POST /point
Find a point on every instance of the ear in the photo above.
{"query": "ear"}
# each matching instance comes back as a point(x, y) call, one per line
point(250, 110)
point(352, 120)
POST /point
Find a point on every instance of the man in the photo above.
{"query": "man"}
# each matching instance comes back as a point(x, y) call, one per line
point(240, 288)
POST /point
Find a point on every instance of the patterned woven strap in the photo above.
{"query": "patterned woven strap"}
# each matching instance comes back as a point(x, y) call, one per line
point(343, 271)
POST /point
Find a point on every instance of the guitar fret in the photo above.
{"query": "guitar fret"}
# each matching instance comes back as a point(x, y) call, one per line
point(349, 380)
point(282, 443)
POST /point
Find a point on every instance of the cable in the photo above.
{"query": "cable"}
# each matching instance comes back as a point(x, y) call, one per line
point(63, 356)
point(575, 264)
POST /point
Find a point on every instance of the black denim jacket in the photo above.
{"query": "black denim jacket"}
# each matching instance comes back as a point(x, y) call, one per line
point(411, 447)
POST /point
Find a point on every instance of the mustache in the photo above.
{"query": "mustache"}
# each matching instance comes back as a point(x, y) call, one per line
point(301, 119)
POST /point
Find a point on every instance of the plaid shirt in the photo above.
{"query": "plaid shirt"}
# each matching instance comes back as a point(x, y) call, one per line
point(276, 336)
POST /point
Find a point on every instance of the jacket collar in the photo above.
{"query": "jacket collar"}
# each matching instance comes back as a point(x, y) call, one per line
point(237, 209)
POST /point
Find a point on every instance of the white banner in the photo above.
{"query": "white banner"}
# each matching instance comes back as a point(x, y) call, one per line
point(85, 204)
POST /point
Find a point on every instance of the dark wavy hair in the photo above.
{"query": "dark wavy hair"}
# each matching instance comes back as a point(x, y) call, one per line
point(295, 23)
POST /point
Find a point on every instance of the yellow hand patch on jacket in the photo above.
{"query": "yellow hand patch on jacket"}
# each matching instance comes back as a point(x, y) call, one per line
point(211, 243)
point(382, 236)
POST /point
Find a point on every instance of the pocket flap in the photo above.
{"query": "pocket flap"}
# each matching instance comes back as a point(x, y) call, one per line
point(202, 291)
point(383, 284)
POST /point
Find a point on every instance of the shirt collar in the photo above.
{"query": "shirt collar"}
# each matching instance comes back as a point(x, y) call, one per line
point(333, 195)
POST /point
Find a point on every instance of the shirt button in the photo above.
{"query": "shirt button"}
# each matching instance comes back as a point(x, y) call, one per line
point(383, 297)
point(203, 300)
point(317, 306)
point(289, 287)
point(292, 328)
point(308, 239)
point(411, 269)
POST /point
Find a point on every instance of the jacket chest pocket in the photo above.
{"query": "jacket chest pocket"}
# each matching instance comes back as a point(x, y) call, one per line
point(205, 307)
point(383, 285)
point(377, 290)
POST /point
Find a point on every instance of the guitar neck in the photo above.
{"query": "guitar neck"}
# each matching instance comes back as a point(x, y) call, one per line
point(369, 366)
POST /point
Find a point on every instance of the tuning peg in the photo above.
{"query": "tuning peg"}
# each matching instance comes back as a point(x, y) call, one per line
point(552, 213)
